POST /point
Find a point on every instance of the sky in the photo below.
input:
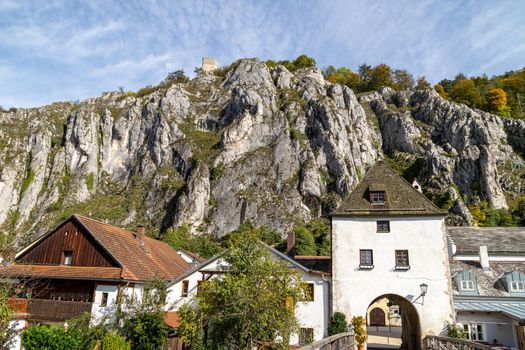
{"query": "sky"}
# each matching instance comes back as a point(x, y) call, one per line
point(71, 50)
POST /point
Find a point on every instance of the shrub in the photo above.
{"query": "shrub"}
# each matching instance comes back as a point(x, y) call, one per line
point(146, 330)
point(358, 325)
point(50, 338)
point(338, 324)
point(455, 331)
point(90, 181)
point(113, 341)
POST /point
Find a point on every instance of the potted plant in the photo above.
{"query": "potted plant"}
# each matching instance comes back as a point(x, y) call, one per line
point(360, 336)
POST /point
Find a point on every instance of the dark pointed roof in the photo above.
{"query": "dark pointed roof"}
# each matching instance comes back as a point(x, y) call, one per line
point(400, 197)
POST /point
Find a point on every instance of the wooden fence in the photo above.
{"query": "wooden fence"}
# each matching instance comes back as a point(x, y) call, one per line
point(343, 341)
point(445, 343)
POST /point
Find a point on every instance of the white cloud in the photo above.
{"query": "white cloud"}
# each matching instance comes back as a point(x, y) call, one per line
point(85, 48)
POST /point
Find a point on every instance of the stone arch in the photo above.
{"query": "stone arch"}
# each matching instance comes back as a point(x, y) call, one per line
point(410, 323)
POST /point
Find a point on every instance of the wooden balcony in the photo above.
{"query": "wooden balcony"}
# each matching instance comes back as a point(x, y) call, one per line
point(49, 310)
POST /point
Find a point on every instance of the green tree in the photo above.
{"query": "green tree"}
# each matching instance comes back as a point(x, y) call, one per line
point(304, 241)
point(465, 91)
point(143, 321)
point(343, 76)
point(181, 238)
point(254, 300)
point(380, 75)
point(304, 61)
point(338, 324)
point(7, 331)
point(422, 84)
point(403, 80)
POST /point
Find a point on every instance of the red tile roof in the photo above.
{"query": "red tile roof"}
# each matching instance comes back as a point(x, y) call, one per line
point(172, 319)
point(83, 272)
point(140, 259)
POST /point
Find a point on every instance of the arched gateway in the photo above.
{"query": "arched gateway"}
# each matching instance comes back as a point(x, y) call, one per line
point(409, 317)
point(388, 240)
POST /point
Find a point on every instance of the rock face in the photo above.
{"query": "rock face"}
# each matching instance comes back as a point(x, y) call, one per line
point(252, 143)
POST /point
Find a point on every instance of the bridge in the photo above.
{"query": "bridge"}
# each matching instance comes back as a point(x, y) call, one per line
point(345, 341)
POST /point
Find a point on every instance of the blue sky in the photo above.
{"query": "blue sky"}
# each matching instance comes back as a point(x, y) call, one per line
point(70, 50)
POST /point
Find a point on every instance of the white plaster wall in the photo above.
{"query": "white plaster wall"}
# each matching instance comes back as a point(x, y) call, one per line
point(175, 299)
point(423, 237)
point(19, 326)
point(314, 314)
point(496, 326)
point(99, 312)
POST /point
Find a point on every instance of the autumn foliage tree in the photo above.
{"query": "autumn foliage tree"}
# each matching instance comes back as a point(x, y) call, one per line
point(496, 100)
point(465, 91)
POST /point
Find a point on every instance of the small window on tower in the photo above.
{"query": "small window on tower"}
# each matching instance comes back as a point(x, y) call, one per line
point(377, 198)
point(68, 257)
point(383, 226)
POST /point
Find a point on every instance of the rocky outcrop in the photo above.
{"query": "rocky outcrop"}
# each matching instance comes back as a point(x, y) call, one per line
point(268, 145)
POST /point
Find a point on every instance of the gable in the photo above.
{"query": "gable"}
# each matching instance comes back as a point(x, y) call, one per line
point(69, 236)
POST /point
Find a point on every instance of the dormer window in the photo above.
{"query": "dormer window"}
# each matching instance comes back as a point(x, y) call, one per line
point(517, 287)
point(466, 282)
point(514, 282)
point(467, 285)
point(377, 198)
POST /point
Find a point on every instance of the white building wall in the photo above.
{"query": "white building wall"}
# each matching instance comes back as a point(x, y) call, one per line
point(175, 299)
point(314, 314)
point(423, 237)
point(98, 312)
point(495, 326)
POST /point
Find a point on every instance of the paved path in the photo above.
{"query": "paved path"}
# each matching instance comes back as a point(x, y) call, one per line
point(375, 342)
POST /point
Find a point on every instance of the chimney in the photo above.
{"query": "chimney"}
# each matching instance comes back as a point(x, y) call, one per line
point(484, 258)
point(141, 230)
point(290, 244)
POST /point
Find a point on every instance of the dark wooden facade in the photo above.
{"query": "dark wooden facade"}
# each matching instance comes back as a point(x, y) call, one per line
point(62, 289)
point(70, 237)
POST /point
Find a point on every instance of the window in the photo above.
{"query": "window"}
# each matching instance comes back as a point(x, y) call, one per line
point(68, 257)
point(517, 287)
point(185, 285)
point(383, 226)
point(467, 285)
point(377, 198)
point(402, 260)
point(366, 259)
point(306, 336)
point(308, 292)
point(474, 332)
point(104, 300)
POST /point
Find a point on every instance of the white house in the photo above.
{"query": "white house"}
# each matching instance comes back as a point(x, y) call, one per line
point(312, 314)
point(388, 240)
point(488, 272)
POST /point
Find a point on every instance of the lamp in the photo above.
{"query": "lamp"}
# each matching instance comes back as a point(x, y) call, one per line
point(424, 288)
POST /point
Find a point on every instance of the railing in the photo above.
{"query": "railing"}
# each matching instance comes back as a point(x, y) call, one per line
point(56, 310)
point(445, 343)
point(343, 341)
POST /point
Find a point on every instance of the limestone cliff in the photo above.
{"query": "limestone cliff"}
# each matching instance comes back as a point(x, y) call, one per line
point(248, 142)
